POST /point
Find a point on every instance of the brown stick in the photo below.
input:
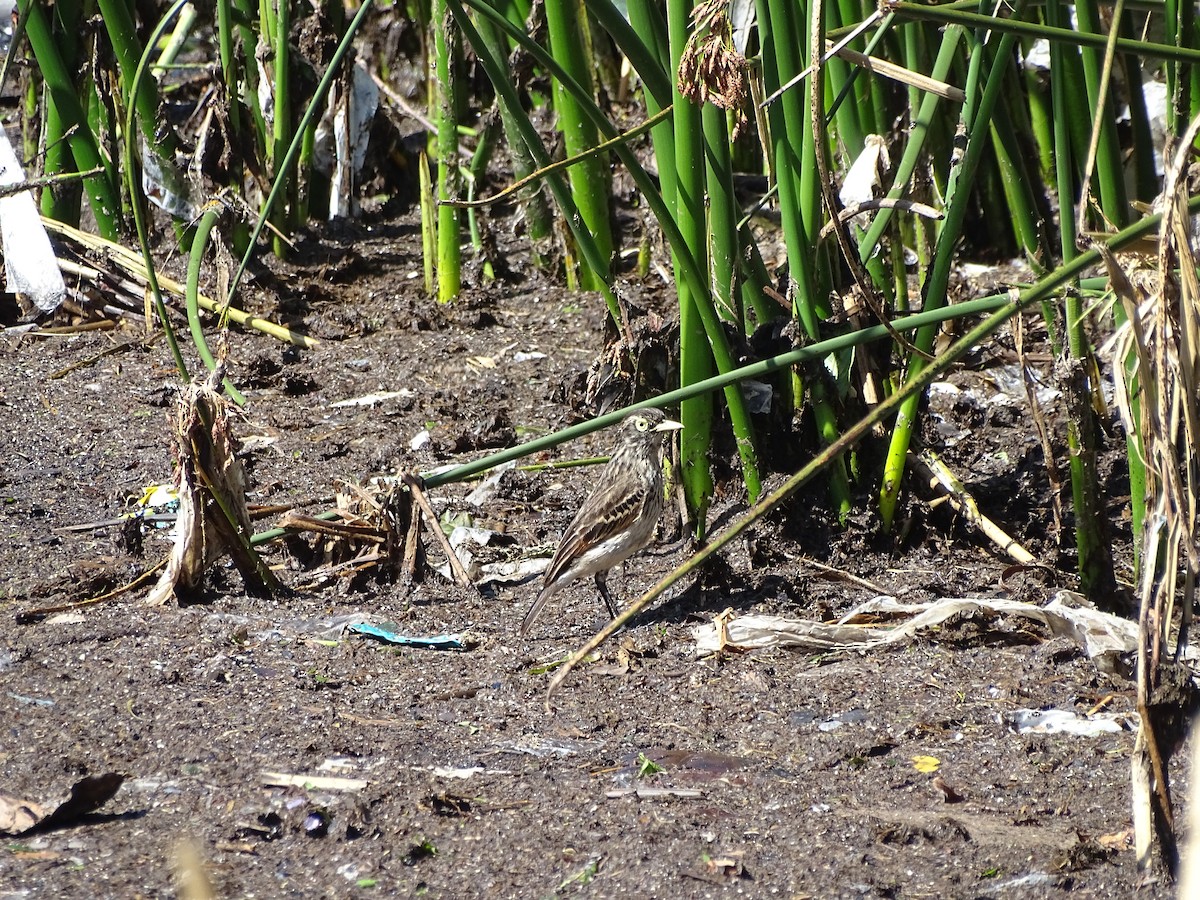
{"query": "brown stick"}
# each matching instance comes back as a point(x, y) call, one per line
point(414, 484)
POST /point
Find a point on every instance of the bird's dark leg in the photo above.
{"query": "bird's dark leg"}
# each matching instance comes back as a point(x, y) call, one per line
point(602, 587)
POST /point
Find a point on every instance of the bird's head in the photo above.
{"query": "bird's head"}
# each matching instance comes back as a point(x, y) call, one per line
point(648, 422)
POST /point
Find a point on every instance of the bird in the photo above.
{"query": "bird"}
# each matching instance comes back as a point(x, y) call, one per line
point(618, 518)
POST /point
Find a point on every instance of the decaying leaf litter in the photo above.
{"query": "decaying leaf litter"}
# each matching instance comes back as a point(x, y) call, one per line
point(469, 785)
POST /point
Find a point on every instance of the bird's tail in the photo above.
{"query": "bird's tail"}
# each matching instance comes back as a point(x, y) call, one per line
point(536, 610)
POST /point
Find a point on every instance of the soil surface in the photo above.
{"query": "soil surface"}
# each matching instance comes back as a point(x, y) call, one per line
point(660, 772)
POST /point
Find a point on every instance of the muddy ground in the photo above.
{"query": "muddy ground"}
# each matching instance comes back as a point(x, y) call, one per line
point(783, 773)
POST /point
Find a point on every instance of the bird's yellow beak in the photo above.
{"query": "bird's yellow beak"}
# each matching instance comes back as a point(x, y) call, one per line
point(668, 425)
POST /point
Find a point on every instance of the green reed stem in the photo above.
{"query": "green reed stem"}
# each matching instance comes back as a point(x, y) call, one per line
point(695, 356)
point(283, 165)
point(192, 296)
point(947, 14)
point(1097, 69)
point(570, 46)
point(539, 223)
point(103, 198)
point(63, 201)
point(976, 115)
point(232, 74)
point(506, 92)
point(284, 215)
point(696, 278)
point(445, 87)
point(137, 205)
point(972, 339)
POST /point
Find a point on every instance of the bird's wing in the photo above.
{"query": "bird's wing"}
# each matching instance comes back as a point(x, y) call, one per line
point(603, 515)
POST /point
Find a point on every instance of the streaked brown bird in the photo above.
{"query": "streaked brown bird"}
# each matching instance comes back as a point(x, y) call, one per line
point(618, 518)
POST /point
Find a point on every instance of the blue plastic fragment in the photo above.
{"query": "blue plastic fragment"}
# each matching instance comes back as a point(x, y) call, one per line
point(435, 642)
point(37, 701)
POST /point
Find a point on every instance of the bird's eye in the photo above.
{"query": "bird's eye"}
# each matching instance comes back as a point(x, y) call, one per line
point(642, 424)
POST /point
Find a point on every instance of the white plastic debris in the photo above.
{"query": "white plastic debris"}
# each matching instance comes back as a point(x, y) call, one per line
point(484, 491)
point(1103, 636)
point(352, 119)
point(527, 356)
point(1067, 721)
point(1010, 384)
point(543, 746)
point(29, 262)
point(7, 8)
point(165, 187)
point(458, 771)
point(1156, 100)
point(758, 396)
point(373, 399)
point(863, 179)
point(72, 618)
point(1008, 389)
point(742, 19)
point(1038, 57)
point(464, 542)
point(512, 572)
point(1040, 882)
